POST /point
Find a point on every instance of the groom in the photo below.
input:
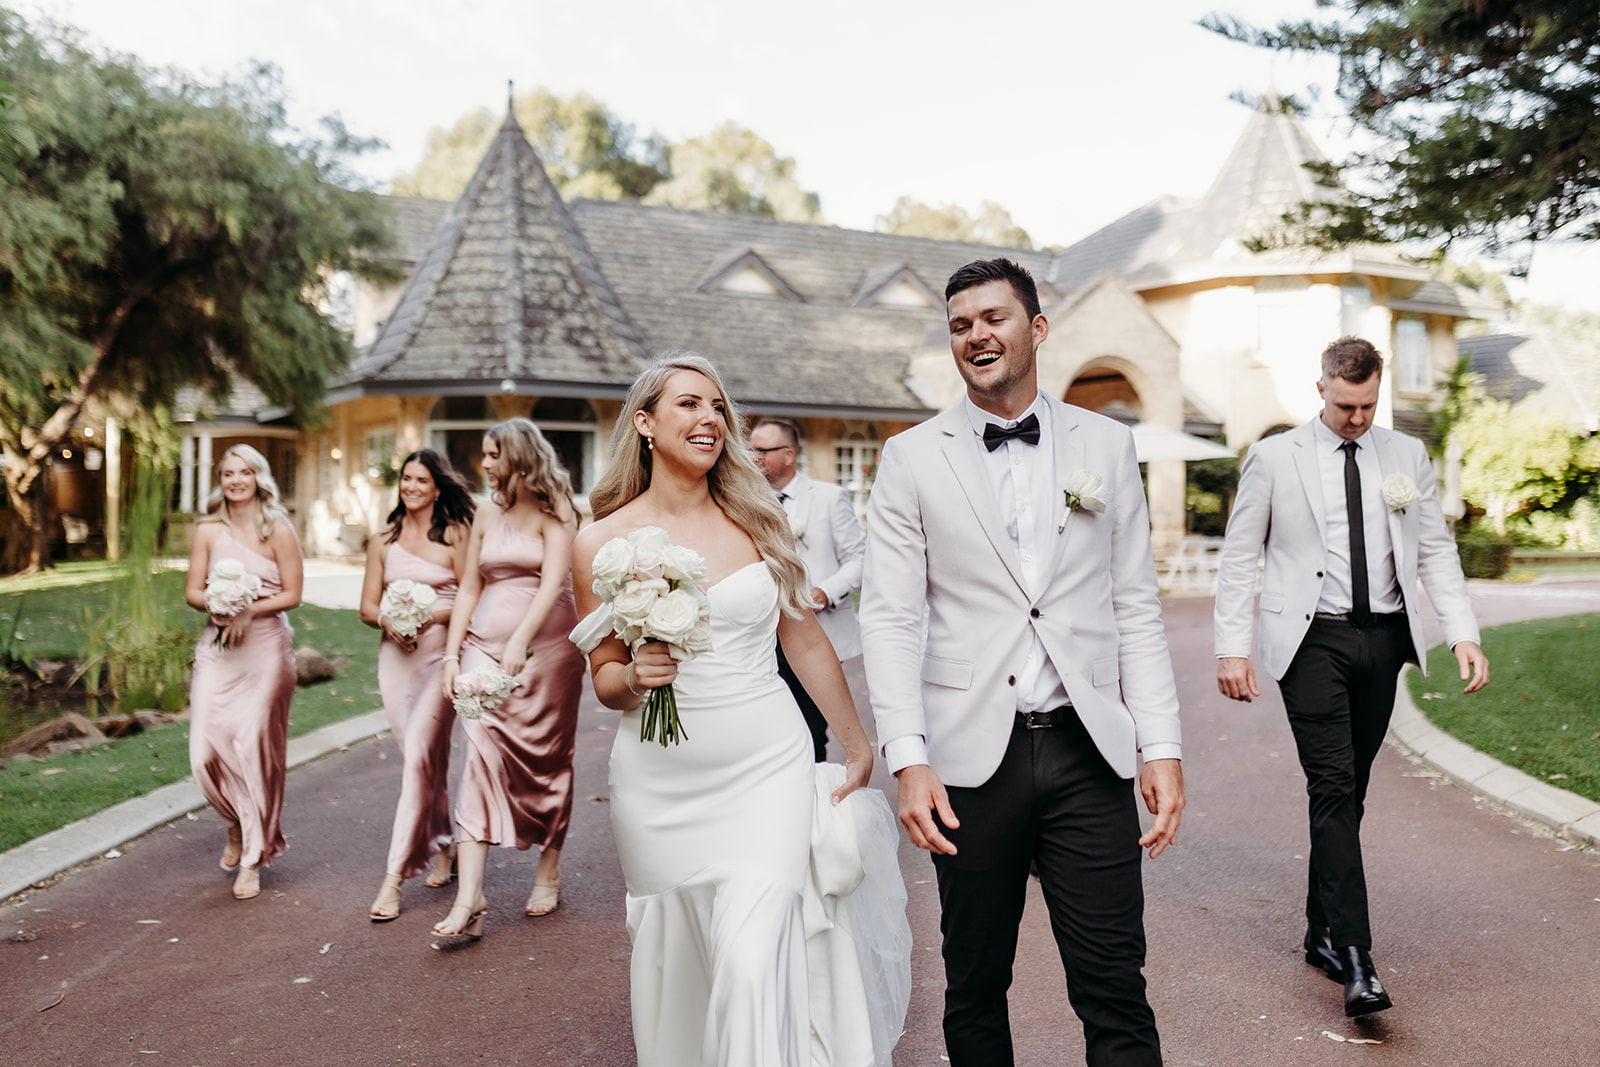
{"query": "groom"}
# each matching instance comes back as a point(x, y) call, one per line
point(1041, 684)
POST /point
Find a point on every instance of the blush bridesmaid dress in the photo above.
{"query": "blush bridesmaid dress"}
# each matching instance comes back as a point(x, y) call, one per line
point(420, 718)
point(516, 780)
point(239, 715)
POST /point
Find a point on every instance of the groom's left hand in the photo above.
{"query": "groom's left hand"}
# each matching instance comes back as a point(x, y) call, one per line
point(1161, 785)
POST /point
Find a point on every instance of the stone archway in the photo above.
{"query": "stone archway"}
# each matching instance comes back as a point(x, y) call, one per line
point(1102, 386)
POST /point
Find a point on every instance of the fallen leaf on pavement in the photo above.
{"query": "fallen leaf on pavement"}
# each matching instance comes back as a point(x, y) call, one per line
point(147, 922)
point(325, 948)
point(59, 998)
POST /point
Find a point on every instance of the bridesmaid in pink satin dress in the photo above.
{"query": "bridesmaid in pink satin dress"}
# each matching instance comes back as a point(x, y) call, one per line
point(515, 609)
point(244, 666)
point(426, 543)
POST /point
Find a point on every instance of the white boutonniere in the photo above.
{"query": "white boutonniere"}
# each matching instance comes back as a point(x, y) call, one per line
point(798, 528)
point(1081, 492)
point(1398, 491)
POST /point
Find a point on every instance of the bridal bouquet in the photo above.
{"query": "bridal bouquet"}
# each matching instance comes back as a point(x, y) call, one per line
point(229, 590)
point(484, 689)
point(652, 588)
point(407, 605)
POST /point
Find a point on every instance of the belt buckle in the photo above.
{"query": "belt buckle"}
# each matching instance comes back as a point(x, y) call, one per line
point(1038, 720)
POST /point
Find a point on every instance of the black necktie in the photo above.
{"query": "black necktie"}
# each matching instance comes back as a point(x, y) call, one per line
point(1026, 431)
point(1360, 603)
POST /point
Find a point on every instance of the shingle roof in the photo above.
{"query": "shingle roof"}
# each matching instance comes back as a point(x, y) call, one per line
point(1139, 239)
point(1541, 370)
point(821, 351)
point(508, 288)
point(416, 219)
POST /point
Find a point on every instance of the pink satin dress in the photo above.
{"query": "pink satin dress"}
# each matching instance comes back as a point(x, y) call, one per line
point(516, 782)
point(420, 718)
point(239, 715)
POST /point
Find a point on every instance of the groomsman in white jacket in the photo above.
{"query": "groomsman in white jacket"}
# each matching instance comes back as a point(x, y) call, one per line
point(1350, 521)
point(1017, 526)
point(831, 544)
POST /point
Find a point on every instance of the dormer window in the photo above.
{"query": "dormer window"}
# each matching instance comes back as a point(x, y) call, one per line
point(895, 286)
point(745, 273)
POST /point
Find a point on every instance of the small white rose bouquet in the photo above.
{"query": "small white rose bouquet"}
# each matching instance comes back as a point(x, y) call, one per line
point(1398, 492)
point(650, 591)
point(408, 606)
point(484, 689)
point(229, 590)
point(1081, 492)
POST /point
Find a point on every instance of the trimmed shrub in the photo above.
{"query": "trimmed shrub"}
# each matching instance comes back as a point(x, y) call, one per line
point(1484, 553)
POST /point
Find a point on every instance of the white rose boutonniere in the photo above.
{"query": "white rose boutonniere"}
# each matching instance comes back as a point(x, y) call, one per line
point(1398, 491)
point(798, 528)
point(1082, 492)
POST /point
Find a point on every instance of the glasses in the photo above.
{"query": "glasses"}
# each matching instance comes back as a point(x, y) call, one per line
point(774, 448)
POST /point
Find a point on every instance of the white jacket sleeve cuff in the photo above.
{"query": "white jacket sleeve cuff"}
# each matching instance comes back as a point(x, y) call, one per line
point(1161, 750)
point(905, 751)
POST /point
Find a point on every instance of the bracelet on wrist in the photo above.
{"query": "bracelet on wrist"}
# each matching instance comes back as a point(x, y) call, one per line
point(628, 678)
point(452, 659)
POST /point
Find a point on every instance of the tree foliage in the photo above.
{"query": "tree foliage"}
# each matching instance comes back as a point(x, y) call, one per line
point(1519, 462)
point(992, 225)
point(587, 150)
point(732, 169)
point(1485, 110)
point(165, 233)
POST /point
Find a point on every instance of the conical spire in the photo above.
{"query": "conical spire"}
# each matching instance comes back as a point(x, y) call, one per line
point(508, 289)
point(1264, 177)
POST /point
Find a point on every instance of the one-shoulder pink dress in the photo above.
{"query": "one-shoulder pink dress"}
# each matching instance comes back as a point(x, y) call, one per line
point(516, 781)
point(420, 718)
point(239, 715)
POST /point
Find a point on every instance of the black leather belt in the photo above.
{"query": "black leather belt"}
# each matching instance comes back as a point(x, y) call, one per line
point(1377, 616)
point(1044, 720)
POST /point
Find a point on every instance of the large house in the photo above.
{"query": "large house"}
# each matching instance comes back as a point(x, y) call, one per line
point(518, 303)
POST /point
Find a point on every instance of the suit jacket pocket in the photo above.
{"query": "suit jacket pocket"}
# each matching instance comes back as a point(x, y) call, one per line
point(950, 672)
point(1271, 602)
point(1105, 671)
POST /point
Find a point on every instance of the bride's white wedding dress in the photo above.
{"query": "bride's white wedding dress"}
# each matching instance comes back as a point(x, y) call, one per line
point(768, 924)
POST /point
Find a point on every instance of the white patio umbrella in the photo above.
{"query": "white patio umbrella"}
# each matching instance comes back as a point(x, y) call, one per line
point(1152, 442)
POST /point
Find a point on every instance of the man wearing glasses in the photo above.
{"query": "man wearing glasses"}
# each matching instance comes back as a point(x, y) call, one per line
point(831, 544)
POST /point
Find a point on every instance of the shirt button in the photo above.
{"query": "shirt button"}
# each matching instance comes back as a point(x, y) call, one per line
point(1319, 574)
point(1035, 613)
point(1011, 680)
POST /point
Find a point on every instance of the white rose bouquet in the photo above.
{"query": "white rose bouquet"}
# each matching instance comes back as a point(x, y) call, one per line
point(1398, 492)
point(408, 605)
point(650, 591)
point(229, 590)
point(481, 690)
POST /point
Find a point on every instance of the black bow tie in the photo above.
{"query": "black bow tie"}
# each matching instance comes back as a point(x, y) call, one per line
point(1026, 431)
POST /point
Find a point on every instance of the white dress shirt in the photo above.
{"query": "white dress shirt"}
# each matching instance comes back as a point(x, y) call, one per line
point(1383, 586)
point(1023, 477)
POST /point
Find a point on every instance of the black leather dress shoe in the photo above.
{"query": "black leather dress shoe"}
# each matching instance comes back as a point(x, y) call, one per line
point(1363, 993)
point(1320, 952)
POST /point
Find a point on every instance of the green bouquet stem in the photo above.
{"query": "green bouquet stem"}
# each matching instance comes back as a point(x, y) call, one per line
point(660, 720)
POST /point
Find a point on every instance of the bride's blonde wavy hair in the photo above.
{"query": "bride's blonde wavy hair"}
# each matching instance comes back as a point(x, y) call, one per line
point(737, 486)
point(528, 464)
point(269, 509)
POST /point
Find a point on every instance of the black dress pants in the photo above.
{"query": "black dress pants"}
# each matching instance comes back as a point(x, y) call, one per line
point(1053, 802)
point(1339, 693)
point(808, 708)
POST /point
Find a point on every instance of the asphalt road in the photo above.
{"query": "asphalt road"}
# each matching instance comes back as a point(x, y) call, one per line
point(1487, 934)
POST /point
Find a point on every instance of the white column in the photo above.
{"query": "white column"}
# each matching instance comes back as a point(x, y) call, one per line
point(202, 473)
point(186, 474)
point(113, 490)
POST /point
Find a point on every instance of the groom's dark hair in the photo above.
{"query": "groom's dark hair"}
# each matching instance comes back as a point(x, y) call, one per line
point(980, 271)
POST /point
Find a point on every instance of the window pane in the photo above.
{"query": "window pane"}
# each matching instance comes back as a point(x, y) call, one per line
point(1411, 355)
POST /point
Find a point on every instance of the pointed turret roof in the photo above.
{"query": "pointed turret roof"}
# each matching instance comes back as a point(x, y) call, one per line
point(1264, 177)
point(508, 289)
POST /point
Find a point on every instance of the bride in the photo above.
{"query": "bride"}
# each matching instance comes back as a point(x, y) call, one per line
point(715, 832)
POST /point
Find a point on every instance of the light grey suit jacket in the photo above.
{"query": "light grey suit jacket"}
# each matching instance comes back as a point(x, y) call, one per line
point(937, 547)
point(1279, 507)
point(832, 544)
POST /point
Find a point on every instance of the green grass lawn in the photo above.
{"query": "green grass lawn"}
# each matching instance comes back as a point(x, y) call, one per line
point(1541, 710)
point(37, 797)
point(1554, 570)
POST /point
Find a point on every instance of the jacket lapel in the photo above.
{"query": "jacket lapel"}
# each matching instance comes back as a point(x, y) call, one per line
point(1068, 447)
point(1388, 464)
point(1305, 462)
point(800, 488)
point(961, 452)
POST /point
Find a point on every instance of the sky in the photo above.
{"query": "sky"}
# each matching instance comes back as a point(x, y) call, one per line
point(1069, 115)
